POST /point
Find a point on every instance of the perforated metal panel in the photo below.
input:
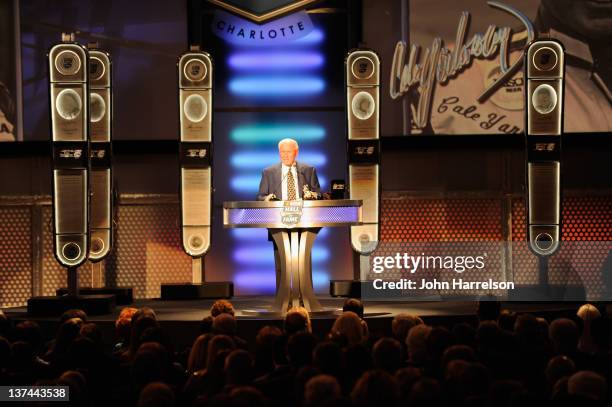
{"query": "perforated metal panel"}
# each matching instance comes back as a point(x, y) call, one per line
point(148, 250)
point(443, 227)
point(586, 244)
point(15, 256)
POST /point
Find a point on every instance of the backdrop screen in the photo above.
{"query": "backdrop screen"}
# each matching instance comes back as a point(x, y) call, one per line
point(449, 76)
point(144, 39)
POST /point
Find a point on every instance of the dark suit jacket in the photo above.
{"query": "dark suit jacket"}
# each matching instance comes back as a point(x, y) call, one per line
point(272, 180)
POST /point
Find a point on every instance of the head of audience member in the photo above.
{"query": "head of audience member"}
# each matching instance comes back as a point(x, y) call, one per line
point(587, 384)
point(197, 355)
point(30, 332)
point(387, 354)
point(438, 340)
point(588, 312)
point(348, 329)
point(297, 320)
point(327, 358)
point(563, 334)
point(151, 364)
point(141, 321)
point(321, 390)
point(73, 313)
point(206, 325)
point(508, 393)
point(156, 394)
point(457, 352)
point(416, 342)
point(93, 332)
point(224, 324)
point(406, 378)
point(426, 392)
point(353, 305)
point(239, 368)
point(84, 354)
point(558, 367)
point(528, 330)
point(244, 396)
point(402, 323)
point(222, 307)
point(264, 348)
point(123, 324)
point(375, 388)
point(77, 386)
point(68, 331)
point(300, 347)
point(218, 344)
point(506, 320)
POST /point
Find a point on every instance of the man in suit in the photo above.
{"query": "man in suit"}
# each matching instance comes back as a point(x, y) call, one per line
point(288, 180)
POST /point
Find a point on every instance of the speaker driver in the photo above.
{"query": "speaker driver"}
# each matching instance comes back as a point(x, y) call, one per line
point(96, 68)
point(195, 108)
point(544, 99)
point(97, 107)
point(196, 242)
point(363, 105)
point(544, 241)
point(545, 59)
point(363, 68)
point(71, 251)
point(68, 104)
point(67, 63)
point(97, 245)
point(195, 70)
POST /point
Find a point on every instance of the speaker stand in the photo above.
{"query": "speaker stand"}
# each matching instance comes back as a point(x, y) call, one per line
point(55, 306)
point(358, 285)
point(199, 288)
point(123, 295)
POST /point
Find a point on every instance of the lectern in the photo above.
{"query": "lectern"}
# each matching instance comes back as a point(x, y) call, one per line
point(294, 226)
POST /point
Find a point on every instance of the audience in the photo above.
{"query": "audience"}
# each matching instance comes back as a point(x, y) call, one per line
point(503, 359)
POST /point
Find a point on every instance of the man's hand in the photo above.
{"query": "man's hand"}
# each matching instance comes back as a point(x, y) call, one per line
point(270, 197)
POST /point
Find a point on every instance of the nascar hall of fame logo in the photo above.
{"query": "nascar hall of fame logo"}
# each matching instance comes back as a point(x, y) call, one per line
point(291, 212)
point(440, 64)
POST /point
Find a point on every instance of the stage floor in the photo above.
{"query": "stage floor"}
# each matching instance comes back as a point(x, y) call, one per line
point(196, 310)
point(183, 318)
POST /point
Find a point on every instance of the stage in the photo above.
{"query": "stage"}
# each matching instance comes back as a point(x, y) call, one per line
point(183, 318)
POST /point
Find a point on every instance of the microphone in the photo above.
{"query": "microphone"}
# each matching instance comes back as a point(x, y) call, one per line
point(544, 73)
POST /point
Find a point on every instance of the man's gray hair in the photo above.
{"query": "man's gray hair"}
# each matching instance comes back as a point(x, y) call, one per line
point(288, 141)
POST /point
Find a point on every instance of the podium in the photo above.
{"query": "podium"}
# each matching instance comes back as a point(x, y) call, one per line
point(293, 226)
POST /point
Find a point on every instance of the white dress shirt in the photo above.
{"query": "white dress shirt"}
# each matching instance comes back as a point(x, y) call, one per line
point(285, 176)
